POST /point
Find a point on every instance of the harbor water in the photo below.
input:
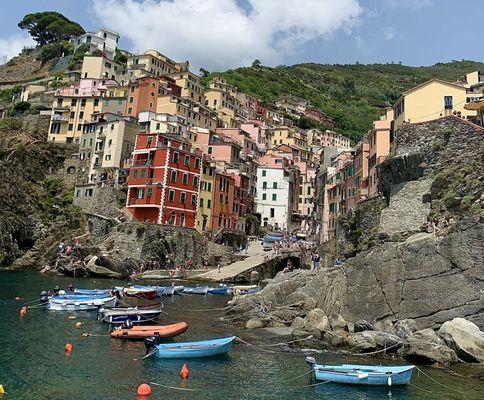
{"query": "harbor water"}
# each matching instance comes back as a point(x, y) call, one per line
point(33, 364)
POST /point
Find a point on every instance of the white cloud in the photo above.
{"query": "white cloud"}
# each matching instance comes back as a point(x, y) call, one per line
point(217, 34)
point(389, 32)
point(13, 45)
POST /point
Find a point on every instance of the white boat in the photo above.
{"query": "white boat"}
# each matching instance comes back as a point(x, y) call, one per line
point(75, 303)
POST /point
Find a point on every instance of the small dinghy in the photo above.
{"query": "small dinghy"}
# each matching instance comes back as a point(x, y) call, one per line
point(195, 289)
point(92, 292)
point(362, 374)
point(145, 293)
point(141, 332)
point(222, 290)
point(207, 348)
point(133, 314)
point(80, 302)
point(172, 290)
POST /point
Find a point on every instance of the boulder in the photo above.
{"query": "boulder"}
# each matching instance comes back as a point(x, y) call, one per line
point(368, 341)
point(254, 323)
point(349, 327)
point(332, 339)
point(300, 333)
point(103, 272)
point(318, 320)
point(465, 338)
point(337, 322)
point(363, 325)
point(427, 349)
point(385, 326)
point(299, 323)
point(405, 328)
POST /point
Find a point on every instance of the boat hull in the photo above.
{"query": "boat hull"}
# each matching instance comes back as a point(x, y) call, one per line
point(364, 375)
point(119, 316)
point(224, 291)
point(142, 332)
point(208, 348)
point(92, 292)
point(78, 303)
point(195, 290)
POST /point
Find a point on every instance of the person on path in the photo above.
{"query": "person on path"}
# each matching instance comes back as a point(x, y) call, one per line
point(219, 266)
point(316, 261)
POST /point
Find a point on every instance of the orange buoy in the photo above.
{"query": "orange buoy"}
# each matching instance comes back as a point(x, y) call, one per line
point(68, 347)
point(23, 311)
point(78, 324)
point(144, 389)
point(184, 372)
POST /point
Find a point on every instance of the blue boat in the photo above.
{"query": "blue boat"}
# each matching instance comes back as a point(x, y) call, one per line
point(80, 302)
point(222, 290)
point(207, 348)
point(195, 289)
point(91, 292)
point(362, 374)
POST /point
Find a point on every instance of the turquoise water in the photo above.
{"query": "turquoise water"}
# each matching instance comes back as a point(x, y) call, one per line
point(33, 364)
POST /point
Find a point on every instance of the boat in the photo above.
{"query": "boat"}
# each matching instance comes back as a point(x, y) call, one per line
point(172, 290)
point(92, 292)
point(133, 314)
point(195, 289)
point(222, 290)
point(139, 332)
point(146, 293)
point(207, 348)
point(80, 302)
point(362, 374)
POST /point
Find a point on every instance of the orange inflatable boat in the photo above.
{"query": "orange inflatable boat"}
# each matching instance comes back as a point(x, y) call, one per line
point(140, 332)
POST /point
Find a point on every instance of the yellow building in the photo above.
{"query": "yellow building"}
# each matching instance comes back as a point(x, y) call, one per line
point(103, 68)
point(286, 135)
point(74, 106)
point(430, 100)
point(203, 222)
point(153, 63)
point(190, 84)
point(194, 113)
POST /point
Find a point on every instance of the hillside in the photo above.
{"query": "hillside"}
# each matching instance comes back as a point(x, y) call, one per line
point(353, 94)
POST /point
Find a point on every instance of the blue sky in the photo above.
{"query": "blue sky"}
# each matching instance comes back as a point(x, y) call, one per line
point(219, 34)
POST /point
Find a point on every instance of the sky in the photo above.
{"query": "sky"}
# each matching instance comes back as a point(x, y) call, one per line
point(222, 34)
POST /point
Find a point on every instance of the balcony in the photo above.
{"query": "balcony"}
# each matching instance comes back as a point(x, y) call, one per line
point(59, 118)
point(142, 163)
point(146, 202)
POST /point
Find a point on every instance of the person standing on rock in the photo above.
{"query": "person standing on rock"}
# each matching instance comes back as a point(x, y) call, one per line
point(316, 261)
point(218, 266)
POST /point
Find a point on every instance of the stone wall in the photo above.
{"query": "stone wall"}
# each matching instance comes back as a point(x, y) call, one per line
point(37, 125)
point(105, 201)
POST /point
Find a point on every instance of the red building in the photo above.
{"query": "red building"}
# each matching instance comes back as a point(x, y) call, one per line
point(164, 180)
point(319, 116)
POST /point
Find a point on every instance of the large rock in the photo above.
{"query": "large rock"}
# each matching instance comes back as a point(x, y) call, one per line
point(337, 322)
point(362, 325)
point(369, 341)
point(385, 326)
point(254, 323)
point(318, 320)
point(298, 324)
point(96, 270)
point(405, 328)
point(465, 338)
point(425, 347)
point(332, 339)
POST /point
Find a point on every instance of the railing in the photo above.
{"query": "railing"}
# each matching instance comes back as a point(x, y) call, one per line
point(133, 201)
point(142, 163)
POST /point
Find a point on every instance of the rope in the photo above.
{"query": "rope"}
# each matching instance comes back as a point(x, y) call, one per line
point(175, 388)
point(437, 382)
point(30, 302)
point(297, 377)
point(313, 384)
point(419, 388)
point(150, 353)
point(37, 306)
point(272, 345)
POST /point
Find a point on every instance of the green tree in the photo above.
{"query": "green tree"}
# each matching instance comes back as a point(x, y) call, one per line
point(256, 64)
point(54, 50)
point(120, 57)
point(50, 27)
point(204, 72)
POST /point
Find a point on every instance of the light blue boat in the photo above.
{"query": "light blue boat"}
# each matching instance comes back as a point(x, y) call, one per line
point(222, 290)
point(91, 292)
point(195, 289)
point(207, 348)
point(162, 290)
point(362, 374)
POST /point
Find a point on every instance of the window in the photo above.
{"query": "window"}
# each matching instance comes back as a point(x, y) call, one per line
point(194, 199)
point(272, 210)
point(274, 185)
point(131, 99)
point(274, 197)
point(201, 202)
point(264, 185)
point(264, 196)
point(73, 102)
point(173, 218)
point(175, 157)
point(183, 197)
point(150, 192)
point(209, 187)
point(157, 126)
point(135, 173)
point(195, 181)
point(70, 127)
point(108, 157)
point(173, 176)
point(210, 149)
point(185, 179)
point(130, 110)
point(448, 104)
point(264, 172)
point(143, 173)
point(209, 203)
point(187, 160)
point(150, 140)
point(88, 192)
point(96, 102)
point(81, 115)
point(171, 195)
point(140, 193)
point(72, 114)
point(79, 127)
point(197, 163)
point(83, 102)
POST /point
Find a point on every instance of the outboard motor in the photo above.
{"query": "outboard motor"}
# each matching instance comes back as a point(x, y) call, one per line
point(44, 297)
point(150, 344)
point(127, 324)
point(56, 289)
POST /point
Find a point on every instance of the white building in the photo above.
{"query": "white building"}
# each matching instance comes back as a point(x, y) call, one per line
point(104, 40)
point(273, 200)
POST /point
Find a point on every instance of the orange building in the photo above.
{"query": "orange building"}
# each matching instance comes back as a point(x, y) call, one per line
point(223, 215)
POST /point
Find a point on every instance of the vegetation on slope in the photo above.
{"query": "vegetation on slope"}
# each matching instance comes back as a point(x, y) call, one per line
point(354, 95)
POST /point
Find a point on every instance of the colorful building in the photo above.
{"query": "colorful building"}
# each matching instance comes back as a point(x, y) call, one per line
point(206, 197)
point(164, 180)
